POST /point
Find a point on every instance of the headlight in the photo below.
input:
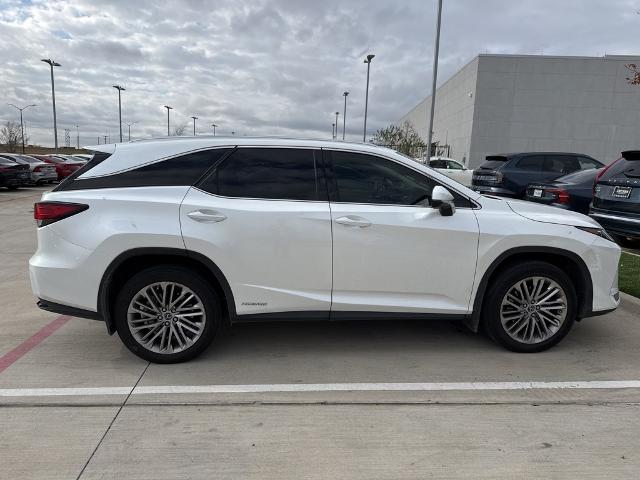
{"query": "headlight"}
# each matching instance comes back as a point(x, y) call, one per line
point(601, 232)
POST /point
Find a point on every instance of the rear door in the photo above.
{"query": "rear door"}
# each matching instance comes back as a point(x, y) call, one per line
point(262, 216)
point(392, 252)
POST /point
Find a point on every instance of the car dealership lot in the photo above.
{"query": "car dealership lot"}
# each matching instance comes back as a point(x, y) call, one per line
point(291, 400)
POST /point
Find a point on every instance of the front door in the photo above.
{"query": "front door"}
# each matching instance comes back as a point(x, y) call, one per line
point(392, 252)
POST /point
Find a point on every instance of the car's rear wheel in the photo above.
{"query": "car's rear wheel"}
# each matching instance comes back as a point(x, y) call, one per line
point(167, 314)
point(530, 307)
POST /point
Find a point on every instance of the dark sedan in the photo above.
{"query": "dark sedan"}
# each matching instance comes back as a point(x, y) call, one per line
point(571, 192)
point(12, 174)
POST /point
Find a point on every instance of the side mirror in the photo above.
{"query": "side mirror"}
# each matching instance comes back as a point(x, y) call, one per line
point(442, 199)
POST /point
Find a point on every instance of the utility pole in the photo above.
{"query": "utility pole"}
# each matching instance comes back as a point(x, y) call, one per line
point(120, 89)
point(366, 98)
point(194, 125)
point(52, 64)
point(168, 108)
point(21, 122)
point(344, 115)
point(434, 80)
point(129, 126)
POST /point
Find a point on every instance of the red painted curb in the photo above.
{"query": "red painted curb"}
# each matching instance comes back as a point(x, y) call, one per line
point(30, 343)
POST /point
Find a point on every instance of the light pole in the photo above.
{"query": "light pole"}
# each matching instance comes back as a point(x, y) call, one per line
point(120, 89)
point(78, 137)
point(214, 128)
point(21, 123)
point(333, 131)
point(129, 126)
point(194, 125)
point(53, 98)
point(434, 80)
point(336, 135)
point(344, 115)
point(366, 98)
point(168, 108)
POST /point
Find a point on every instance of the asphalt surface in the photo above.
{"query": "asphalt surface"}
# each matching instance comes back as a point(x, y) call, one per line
point(289, 400)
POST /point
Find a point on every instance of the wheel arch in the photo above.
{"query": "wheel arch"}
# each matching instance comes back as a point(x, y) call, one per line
point(136, 259)
point(571, 263)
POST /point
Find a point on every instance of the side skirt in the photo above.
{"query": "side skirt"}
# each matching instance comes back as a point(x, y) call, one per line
point(342, 316)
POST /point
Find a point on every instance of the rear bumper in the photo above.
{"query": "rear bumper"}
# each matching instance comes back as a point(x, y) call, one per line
point(67, 310)
point(493, 190)
point(617, 224)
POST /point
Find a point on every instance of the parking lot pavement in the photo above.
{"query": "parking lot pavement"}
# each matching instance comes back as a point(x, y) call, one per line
point(286, 400)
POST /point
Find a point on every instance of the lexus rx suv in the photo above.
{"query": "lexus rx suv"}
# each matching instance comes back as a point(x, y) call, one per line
point(168, 240)
point(509, 175)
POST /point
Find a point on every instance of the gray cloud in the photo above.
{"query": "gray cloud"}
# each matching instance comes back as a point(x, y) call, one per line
point(273, 67)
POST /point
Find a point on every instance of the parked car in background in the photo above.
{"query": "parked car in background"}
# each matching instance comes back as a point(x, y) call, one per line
point(616, 199)
point(167, 240)
point(64, 167)
point(572, 192)
point(12, 174)
point(82, 156)
point(508, 175)
point(40, 171)
point(452, 169)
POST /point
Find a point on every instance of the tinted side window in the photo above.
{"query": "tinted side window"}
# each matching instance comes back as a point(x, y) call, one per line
point(453, 165)
point(273, 173)
point(438, 164)
point(532, 163)
point(183, 170)
point(364, 178)
point(587, 163)
point(561, 164)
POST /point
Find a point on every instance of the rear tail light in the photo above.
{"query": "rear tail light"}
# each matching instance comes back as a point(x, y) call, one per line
point(601, 173)
point(37, 169)
point(46, 213)
point(562, 196)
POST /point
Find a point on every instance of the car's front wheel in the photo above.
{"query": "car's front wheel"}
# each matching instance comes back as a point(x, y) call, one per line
point(167, 314)
point(530, 307)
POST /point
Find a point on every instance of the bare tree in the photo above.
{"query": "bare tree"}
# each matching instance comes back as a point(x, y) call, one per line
point(403, 138)
point(634, 79)
point(180, 130)
point(11, 136)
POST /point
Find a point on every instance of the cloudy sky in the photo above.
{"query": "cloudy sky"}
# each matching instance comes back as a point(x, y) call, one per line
point(268, 67)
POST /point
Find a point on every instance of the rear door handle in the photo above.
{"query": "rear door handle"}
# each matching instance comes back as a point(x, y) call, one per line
point(353, 221)
point(206, 216)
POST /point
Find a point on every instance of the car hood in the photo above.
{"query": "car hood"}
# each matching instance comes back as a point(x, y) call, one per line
point(547, 214)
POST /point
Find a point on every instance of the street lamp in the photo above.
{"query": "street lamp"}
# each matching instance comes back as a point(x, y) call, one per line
point(120, 89)
point(78, 137)
point(194, 125)
point(53, 98)
point(168, 108)
point(21, 123)
point(344, 115)
point(366, 98)
point(434, 80)
point(336, 136)
point(129, 125)
point(214, 128)
point(333, 131)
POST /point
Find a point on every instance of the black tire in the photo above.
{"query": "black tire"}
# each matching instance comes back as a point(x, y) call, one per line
point(503, 283)
point(180, 275)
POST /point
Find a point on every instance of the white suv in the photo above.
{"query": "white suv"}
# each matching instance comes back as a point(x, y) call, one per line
point(167, 240)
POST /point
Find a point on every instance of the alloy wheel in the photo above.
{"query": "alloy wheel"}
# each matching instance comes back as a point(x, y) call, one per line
point(166, 317)
point(533, 309)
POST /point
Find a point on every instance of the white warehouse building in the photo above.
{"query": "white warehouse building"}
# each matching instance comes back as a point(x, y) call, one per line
point(524, 103)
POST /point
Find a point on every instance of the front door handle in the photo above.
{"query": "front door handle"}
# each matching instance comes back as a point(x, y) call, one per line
point(206, 216)
point(353, 221)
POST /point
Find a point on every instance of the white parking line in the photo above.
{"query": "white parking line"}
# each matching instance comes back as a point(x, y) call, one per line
point(320, 387)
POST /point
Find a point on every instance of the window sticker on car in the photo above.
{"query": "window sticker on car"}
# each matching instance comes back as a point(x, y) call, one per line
point(621, 192)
